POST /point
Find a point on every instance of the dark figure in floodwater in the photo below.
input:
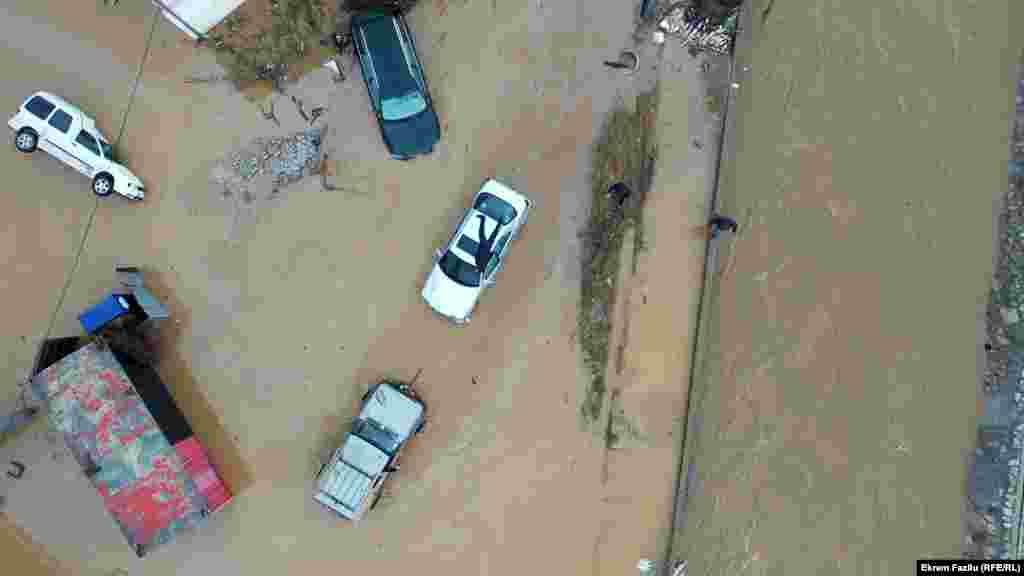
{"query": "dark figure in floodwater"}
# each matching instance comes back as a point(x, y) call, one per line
point(614, 64)
point(619, 193)
point(483, 251)
point(719, 223)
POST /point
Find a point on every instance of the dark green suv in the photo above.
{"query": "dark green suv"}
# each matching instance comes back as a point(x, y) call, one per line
point(395, 83)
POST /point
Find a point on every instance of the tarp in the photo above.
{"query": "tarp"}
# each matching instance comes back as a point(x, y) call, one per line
point(197, 17)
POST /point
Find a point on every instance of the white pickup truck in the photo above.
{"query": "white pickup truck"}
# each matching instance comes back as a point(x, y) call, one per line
point(351, 480)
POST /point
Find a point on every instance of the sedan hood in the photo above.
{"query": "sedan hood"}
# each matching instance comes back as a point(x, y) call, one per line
point(413, 136)
point(449, 299)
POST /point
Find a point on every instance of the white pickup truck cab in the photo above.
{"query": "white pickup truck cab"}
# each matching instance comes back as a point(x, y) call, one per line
point(349, 483)
point(47, 122)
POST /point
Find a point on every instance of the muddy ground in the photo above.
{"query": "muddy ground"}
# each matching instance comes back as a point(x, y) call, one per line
point(837, 391)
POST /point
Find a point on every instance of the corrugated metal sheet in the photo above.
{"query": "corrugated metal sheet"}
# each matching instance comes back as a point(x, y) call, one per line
point(145, 483)
point(192, 16)
point(150, 305)
point(349, 477)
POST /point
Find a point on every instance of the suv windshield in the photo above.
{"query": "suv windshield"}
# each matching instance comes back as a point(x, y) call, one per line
point(403, 107)
point(459, 271)
point(108, 150)
point(495, 208)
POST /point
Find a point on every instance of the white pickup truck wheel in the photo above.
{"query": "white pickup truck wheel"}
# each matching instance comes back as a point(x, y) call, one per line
point(26, 140)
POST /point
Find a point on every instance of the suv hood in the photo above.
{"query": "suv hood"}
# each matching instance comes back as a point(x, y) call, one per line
point(120, 172)
point(449, 299)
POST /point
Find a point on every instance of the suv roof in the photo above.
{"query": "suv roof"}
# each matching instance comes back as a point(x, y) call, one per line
point(390, 63)
point(88, 122)
point(55, 100)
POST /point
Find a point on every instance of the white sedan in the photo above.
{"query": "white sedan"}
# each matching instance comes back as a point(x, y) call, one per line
point(475, 253)
point(49, 123)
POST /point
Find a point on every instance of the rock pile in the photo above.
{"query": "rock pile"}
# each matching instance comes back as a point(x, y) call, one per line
point(996, 476)
point(1006, 306)
point(285, 158)
point(281, 159)
point(995, 479)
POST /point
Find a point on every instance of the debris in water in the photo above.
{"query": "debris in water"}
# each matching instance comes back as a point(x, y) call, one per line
point(697, 31)
point(628, 60)
point(1010, 316)
point(285, 159)
point(269, 113)
point(300, 108)
point(332, 65)
point(17, 470)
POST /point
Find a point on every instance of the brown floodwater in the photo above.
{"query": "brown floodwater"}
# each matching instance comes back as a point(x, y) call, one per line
point(838, 390)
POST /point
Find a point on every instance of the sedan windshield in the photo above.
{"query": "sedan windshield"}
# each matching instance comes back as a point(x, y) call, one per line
point(403, 107)
point(496, 208)
point(460, 271)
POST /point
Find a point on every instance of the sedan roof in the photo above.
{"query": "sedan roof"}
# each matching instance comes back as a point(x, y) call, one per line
point(468, 240)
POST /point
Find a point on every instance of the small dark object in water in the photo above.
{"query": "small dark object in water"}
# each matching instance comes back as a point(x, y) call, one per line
point(268, 114)
point(619, 193)
point(17, 470)
point(719, 223)
point(300, 108)
point(627, 61)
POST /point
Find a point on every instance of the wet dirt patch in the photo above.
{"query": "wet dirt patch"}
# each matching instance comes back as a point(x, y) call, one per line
point(621, 431)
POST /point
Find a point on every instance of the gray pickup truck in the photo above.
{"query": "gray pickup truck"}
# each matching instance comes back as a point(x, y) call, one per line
point(350, 481)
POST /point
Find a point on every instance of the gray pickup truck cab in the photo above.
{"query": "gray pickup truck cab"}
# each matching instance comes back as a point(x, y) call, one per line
point(350, 481)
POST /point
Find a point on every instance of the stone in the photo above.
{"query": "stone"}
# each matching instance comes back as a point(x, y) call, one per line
point(1010, 315)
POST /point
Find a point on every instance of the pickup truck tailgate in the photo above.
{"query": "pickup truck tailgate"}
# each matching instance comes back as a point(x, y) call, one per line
point(348, 479)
